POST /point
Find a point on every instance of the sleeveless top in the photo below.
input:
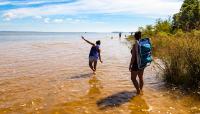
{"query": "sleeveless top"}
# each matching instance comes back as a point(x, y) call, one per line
point(94, 51)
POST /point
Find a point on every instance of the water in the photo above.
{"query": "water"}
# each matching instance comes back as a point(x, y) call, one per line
point(48, 73)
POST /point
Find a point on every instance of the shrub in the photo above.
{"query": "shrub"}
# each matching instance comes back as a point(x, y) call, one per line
point(181, 56)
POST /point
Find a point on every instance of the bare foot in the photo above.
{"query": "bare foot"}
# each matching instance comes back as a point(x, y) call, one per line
point(94, 72)
point(141, 92)
point(138, 92)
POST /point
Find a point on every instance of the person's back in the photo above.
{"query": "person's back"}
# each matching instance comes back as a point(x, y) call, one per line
point(120, 35)
point(94, 51)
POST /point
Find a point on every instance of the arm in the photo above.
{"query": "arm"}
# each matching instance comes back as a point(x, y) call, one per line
point(100, 56)
point(133, 57)
point(87, 41)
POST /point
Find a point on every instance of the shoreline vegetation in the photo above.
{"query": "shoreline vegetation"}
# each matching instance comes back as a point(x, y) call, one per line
point(176, 42)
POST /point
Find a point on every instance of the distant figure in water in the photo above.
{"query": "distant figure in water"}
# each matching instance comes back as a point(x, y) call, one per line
point(95, 54)
point(131, 33)
point(120, 35)
point(133, 67)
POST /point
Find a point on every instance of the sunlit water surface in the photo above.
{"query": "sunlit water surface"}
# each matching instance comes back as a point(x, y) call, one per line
point(49, 74)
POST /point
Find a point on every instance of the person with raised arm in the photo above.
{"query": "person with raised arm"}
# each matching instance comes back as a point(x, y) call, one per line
point(94, 55)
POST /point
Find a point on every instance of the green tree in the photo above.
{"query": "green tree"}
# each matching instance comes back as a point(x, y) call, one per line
point(163, 26)
point(149, 30)
point(189, 16)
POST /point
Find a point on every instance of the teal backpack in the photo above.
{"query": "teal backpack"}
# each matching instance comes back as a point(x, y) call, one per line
point(144, 54)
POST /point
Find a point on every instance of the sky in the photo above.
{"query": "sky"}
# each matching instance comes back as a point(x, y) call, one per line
point(83, 15)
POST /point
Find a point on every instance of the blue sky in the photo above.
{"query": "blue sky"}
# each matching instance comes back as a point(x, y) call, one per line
point(83, 15)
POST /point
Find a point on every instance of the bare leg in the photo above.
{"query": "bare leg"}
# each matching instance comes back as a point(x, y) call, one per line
point(140, 75)
point(90, 64)
point(95, 65)
point(135, 82)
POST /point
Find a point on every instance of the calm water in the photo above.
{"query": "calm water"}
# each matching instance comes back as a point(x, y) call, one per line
point(48, 73)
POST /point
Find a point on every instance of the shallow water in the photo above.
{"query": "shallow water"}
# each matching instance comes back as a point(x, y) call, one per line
point(53, 77)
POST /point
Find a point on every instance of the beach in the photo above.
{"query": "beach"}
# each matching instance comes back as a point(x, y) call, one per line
point(48, 73)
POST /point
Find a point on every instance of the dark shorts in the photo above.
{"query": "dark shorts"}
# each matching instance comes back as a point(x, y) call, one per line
point(92, 59)
point(135, 68)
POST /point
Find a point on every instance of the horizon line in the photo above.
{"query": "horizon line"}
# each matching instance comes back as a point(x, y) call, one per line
point(69, 31)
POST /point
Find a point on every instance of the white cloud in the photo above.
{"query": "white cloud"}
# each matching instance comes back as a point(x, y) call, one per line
point(38, 17)
point(148, 8)
point(8, 16)
point(29, 2)
point(58, 20)
point(4, 3)
point(46, 20)
point(75, 21)
point(100, 22)
point(69, 19)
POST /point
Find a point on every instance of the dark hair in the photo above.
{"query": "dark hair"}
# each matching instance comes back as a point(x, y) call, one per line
point(98, 42)
point(138, 35)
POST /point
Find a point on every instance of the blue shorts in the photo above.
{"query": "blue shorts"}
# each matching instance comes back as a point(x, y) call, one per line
point(92, 59)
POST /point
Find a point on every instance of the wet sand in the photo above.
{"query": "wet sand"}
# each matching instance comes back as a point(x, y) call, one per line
point(53, 77)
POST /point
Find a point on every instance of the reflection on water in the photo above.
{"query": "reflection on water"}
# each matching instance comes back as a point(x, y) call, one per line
point(95, 87)
point(85, 104)
point(53, 77)
point(139, 106)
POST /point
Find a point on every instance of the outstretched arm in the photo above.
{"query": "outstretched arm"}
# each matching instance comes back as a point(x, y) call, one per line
point(87, 41)
point(100, 56)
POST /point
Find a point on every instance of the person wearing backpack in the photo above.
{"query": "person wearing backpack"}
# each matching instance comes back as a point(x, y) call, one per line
point(141, 56)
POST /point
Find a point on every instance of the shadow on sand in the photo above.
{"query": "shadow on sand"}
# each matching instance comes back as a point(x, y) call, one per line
point(115, 100)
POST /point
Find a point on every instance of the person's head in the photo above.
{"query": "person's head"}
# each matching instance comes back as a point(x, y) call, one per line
point(138, 35)
point(98, 42)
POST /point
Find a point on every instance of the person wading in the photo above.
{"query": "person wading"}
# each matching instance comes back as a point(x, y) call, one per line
point(95, 54)
point(133, 67)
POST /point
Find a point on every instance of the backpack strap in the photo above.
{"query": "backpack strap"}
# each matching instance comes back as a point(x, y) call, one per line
point(137, 53)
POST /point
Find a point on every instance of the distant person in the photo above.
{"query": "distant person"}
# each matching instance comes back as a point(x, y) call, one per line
point(120, 35)
point(94, 55)
point(133, 67)
point(131, 33)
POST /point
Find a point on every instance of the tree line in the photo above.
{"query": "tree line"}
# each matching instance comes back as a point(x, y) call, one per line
point(186, 20)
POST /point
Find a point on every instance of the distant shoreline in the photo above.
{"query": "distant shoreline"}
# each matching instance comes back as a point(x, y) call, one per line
point(50, 32)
